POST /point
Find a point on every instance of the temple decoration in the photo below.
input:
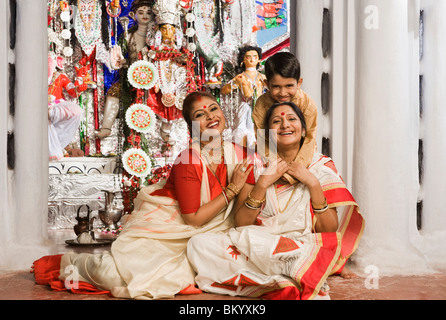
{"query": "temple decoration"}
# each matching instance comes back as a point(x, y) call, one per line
point(140, 118)
point(142, 75)
point(139, 59)
point(136, 162)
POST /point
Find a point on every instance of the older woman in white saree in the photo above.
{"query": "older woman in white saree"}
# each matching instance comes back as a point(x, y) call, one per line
point(148, 260)
point(288, 238)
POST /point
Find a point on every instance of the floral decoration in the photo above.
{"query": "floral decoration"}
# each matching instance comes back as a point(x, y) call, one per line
point(140, 118)
point(142, 75)
point(136, 162)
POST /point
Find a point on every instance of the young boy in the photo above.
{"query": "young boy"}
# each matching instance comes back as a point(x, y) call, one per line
point(283, 79)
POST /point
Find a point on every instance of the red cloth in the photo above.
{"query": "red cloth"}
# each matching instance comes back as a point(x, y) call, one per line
point(287, 293)
point(47, 270)
point(62, 82)
point(184, 182)
point(168, 113)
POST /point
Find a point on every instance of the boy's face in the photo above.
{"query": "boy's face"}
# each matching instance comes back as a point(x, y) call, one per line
point(283, 89)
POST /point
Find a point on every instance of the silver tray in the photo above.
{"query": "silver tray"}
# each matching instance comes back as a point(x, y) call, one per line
point(100, 242)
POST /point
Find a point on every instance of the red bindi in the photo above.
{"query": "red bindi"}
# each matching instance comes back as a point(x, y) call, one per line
point(204, 107)
point(283, 113)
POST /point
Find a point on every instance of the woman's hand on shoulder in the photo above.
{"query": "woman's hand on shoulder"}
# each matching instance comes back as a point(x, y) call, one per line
point(301, 173)
point(273, 172)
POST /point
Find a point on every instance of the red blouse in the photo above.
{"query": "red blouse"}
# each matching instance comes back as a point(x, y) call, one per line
point(184, 182)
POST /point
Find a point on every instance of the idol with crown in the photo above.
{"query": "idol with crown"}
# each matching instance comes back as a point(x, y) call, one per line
point(174, 66)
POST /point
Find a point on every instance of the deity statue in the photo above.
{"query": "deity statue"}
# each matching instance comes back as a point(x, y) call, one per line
point(132, 47)
point(174, 65)
point(250, 84)
point(63, 115)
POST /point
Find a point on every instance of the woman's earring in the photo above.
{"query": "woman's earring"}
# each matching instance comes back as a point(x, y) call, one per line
point(303, 135)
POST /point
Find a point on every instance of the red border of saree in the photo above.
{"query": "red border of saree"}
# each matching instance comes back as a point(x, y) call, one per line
point(352, 224)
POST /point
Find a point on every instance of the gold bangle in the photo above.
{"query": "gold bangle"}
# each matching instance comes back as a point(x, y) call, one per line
point(252, 205)
point(232, 187)
point(255, 201)
point(228, 196)
point(320, 206)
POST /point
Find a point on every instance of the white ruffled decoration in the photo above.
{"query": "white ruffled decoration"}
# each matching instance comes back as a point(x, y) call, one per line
point(137, 163)
point(140, 118)
point(142, 75)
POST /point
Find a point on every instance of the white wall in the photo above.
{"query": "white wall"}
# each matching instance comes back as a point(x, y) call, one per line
point(374, 123)
point(385, 172)
point(23, 194)
point(433, 131)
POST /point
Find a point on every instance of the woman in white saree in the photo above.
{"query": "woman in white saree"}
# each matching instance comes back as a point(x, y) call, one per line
point(148, 260)
point(289, 238)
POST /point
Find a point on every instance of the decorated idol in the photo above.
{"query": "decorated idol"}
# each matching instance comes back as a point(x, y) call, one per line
point(63, 115)
point(131, 48)
point(174, 66)
point(248, 85)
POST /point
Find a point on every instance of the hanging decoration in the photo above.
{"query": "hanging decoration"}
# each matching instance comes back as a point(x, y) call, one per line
point(186, 4)
point(136, 162)
point(142, 75)
point(200, 56)
point(88, 24)
point(140, 118)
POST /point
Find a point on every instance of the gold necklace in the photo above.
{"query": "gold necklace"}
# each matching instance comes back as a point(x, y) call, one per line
point(289, 200)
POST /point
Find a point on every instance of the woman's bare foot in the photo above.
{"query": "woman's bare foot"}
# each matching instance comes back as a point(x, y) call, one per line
point(347, 274)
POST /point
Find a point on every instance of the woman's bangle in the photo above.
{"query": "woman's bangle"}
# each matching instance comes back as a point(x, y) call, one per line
point(232, 187)
point(255, 202)
point(249, 206)
point(319, 211)
point(319, 206)
point(228, 196)
point(225, 196)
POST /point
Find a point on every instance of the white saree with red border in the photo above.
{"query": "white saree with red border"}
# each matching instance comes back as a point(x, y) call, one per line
point(282, 257)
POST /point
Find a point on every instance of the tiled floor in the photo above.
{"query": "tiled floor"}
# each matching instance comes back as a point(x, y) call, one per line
point(20, 285)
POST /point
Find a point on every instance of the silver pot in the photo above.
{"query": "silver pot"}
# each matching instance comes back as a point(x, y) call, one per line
point(110, 218)
point(111, 215)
